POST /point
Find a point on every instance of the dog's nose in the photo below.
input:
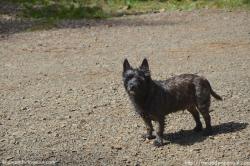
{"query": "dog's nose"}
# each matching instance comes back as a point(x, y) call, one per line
point(132, 87)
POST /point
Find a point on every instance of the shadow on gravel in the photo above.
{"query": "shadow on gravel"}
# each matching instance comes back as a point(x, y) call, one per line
point(11, 26)
point(123, 21)
point(10, 23)
point(19, 25)
point(189, 137)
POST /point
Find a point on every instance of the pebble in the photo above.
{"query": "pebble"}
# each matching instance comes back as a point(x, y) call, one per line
point(9, 158)
point(116, 147)
point(24, 108)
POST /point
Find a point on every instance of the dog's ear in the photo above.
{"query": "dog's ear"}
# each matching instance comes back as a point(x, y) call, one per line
point(126, 65)
point(145, 67)
point(144, 64)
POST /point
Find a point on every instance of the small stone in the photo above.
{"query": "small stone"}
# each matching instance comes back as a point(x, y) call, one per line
point(89, 113)
point(9, 158)
point(24, 108)
point(197, 149)
point(136, 125)
point(116, 147)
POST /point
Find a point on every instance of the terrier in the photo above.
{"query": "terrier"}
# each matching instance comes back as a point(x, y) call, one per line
point(153, 100)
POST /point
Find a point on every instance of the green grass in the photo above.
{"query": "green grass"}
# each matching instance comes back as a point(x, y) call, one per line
point(77, 9)
point(151, 5)
point(46, 13)
point(60, 9)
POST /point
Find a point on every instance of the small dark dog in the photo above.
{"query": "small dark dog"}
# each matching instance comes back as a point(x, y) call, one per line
point(155, 99)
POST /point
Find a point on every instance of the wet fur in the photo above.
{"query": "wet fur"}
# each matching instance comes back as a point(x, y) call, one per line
point(155, 99)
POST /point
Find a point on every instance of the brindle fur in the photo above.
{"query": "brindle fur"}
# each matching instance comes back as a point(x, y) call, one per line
point(155, 99)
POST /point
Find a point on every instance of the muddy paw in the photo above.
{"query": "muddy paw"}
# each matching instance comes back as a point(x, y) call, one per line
point(148, 136)
point(158, 143)
point(197, 129)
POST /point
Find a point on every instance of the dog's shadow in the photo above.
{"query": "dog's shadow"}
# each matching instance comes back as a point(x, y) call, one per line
point(189, 137)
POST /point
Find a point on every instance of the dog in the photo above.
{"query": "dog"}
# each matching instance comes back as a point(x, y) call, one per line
point(153, 100)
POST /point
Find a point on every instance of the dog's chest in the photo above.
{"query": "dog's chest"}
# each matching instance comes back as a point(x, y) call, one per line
point(147, 114)
point(153, 117)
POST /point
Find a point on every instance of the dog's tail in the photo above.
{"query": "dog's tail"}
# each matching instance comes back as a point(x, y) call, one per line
point(214, 94)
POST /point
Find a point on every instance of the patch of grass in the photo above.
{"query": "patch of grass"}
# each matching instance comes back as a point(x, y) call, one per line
point(77, 9)
point(62, 11)
point(48, 12)
point(151, 5)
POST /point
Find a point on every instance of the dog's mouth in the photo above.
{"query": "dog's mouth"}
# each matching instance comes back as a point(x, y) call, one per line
point(131, 92)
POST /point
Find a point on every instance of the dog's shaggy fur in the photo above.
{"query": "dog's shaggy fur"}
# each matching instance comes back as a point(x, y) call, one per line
point(155, 99)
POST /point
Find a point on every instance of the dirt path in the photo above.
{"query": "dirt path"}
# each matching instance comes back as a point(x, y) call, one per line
point(62, 98)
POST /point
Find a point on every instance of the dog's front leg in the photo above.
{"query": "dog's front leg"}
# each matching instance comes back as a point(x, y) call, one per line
point(159, 134)
point(149, 127)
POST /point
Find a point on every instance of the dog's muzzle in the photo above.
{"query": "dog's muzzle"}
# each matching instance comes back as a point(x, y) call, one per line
point(132, 89)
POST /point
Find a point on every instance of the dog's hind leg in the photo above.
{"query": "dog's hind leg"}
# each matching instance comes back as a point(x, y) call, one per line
point(203, 99)
point(204, 110)
point(196, 117)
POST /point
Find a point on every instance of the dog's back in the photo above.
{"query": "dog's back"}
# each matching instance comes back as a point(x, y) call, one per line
point(188, 90)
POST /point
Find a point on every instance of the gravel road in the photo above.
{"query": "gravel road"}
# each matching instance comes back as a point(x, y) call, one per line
point(62, 99)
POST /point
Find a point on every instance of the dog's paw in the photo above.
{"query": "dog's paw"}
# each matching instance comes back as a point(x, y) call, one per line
point(197, 129)
point(158, 143)
point(148, 136)
point(207, 132)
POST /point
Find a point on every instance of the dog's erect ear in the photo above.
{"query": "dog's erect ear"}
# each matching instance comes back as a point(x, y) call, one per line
point(144, 66)
point(126, 65)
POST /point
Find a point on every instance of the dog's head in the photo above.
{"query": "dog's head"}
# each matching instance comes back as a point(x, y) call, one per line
point(136, 80)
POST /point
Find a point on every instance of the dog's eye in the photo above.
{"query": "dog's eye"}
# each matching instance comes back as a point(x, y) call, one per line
point(129, 77)
point(142, 78)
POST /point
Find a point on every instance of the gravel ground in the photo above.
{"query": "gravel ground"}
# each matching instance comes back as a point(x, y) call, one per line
point(62, 99)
